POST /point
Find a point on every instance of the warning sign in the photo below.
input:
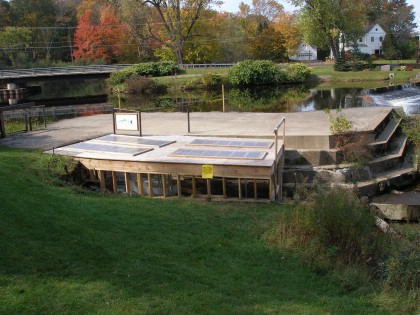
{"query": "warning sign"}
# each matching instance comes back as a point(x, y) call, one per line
point(207, 171)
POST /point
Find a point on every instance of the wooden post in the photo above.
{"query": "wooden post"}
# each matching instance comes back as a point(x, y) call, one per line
point(140, 185)
point(194, 189)
point(255, 189)
point(127, 183)
point(2, 126)
point(114, 182)
point(208, 189)
point(239, 189)
point(224, 187)
point(149, 178)
point(178, 185)
point(102, 181)
point(163, 186)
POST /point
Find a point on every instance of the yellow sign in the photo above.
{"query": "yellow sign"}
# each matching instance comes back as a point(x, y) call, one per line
point(207, 171)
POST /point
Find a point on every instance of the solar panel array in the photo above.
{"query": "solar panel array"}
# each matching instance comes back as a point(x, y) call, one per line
point(108, 148)
point(220, 154)
point(118, 139)
point(232, 143)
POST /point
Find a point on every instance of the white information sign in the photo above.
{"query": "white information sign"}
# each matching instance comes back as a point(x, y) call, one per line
point(126, 121)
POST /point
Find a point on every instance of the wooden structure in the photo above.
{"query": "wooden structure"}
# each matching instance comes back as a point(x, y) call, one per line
point(163, 166)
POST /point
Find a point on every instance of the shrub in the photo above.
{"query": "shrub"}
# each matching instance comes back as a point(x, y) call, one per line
point(155, 69)
point(296, 73)
point(333, 228)
point(250, 72)
point(142, 85)
point(211, 80)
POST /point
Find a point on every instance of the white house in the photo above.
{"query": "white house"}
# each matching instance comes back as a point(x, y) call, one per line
point(305, 52)
point(371, 42)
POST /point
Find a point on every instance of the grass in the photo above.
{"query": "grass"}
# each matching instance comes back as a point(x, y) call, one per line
point(68, 251)
point(327, 73)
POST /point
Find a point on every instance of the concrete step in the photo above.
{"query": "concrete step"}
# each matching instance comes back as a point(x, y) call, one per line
point(396, 179)
point(392, 159)
point(382, 142)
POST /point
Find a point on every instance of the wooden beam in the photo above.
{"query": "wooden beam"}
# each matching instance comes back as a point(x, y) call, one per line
point(239, 189)
point(127, 183)
point(114, 182)
point(232, 171)
point(140, 185)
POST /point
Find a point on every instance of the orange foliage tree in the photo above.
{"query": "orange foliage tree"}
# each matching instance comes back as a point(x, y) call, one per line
point(98, 38)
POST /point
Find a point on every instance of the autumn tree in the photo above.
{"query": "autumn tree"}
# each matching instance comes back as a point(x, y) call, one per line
point(172, 22)
point(98, 35)
point(285, 23)
point(332, 24)
point(263, 40)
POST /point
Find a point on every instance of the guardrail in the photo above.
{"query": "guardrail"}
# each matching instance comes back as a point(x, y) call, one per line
point(278, 181)
point(206, 65)
point(57, 71)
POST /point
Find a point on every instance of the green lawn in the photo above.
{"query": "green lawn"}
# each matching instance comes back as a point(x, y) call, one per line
point(67, 251)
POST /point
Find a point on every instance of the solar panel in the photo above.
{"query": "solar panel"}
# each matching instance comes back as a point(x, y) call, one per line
point(247, 155)
point(96, 147)
point(233, 143)
point(118, 139)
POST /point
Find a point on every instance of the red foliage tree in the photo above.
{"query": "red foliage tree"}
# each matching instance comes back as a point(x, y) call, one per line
point(99, 40)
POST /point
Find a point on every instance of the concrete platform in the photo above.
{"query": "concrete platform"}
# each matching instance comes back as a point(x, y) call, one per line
point(304, 130)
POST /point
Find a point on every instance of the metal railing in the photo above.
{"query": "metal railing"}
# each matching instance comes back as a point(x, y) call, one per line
point(59, 71)
point(278, 191)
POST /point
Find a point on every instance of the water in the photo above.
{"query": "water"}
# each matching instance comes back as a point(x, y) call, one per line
point(405, 96)
point(298, 98)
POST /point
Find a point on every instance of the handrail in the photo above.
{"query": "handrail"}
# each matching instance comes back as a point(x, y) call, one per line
point(276, 180)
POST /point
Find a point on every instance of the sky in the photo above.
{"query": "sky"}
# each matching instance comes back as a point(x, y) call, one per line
point(233, 6)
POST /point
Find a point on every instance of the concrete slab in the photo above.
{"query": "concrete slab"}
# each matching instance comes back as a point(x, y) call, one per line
point(303, 129)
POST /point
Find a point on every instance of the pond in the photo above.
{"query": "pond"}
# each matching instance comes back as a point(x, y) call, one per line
point(262, 99)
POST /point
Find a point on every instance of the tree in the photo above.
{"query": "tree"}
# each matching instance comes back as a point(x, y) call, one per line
point(326, 23)
point(263, 40)
point(15, 42)
point(177, 18)
point(389, 48)
point(97, 39)
point(285, 23)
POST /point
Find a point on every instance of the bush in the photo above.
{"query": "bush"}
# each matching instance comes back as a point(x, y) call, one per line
point(296, 73)
point(264, 72)
point(142, 85)
point(212, 80)
point(334, 229)
point(250, 72)
point(155, 69)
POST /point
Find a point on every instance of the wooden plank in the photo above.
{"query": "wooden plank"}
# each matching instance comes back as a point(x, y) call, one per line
point(140, 185)
point(233, 171)
point(127, 183)
point(114, 182)
point(224, 187)
point(239, 189)
point(102, 181)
